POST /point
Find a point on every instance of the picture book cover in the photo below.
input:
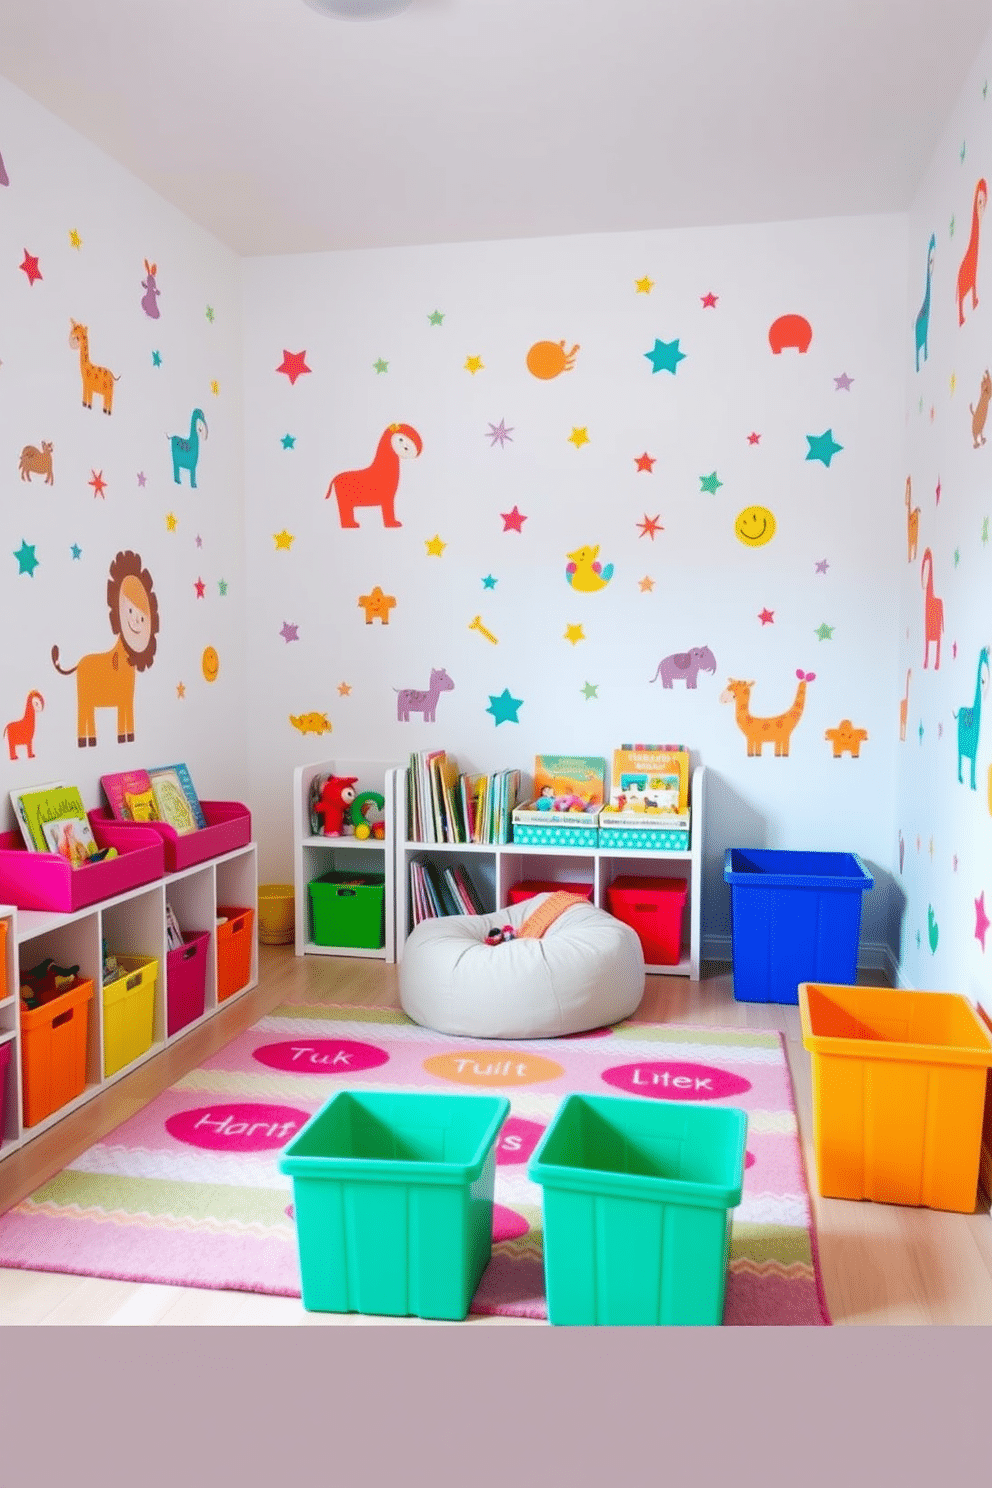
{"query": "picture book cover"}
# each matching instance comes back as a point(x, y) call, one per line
point(173, 804)
point(185, 782)
point(49, 804)
point(71, 837)
point(650, 777)
point(20, 816)
point(557, 776)
point(126, 782)
point(141, 806)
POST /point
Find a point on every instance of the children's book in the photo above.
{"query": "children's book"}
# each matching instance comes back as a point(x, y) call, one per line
point(650, 777)
point(20, 816)
point(174, 934)
point(71, 837)
point(186, 786)
point(141, 806)
point(172, 801)
point(570, 775)
point(49, 804)
point(117, 787)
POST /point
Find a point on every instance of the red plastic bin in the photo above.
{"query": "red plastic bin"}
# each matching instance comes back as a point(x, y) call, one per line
point(4, 1069)
point(235, 940)
point(36, 880)
point(186, 981)
point(528, 887)
point(653, 907)
point(228, 827)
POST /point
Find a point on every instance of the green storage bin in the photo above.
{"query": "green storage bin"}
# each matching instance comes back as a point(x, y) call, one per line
point(637, 1197)
point(348, 909)
point(393, 1198)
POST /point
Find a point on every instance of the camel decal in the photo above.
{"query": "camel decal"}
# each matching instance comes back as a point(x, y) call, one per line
point(968, 272)
point(912, 520)
point(186, 451)
point(95, 379)
point(904, 708)
point(762, 731)
point(20, 731)
point(923, 318)
point(970, 719)
point(106, 679)
point(934, 610)
point(377, 484)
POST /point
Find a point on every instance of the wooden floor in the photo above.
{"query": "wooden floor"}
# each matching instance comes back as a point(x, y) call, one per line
point(881, 1264)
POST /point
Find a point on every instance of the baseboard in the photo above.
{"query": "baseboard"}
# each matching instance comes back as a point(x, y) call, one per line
point(871, 957)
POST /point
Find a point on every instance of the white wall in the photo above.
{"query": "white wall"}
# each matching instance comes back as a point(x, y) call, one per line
point(348, 310)
point(60, 184)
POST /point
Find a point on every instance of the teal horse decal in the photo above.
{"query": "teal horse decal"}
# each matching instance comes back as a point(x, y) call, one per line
point(969, 719)
point(186, 451)
point(923, 319)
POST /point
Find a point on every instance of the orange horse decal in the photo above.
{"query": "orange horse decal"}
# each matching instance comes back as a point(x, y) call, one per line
point(376, 484)
point(968, 272)
point(934, 610)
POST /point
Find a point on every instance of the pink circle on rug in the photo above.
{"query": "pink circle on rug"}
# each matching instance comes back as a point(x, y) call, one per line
point(749, 1159)
point(507, 1224)
point(247, 1126)
point(664, 1081)
point(321, 1056)
point(517, 1140)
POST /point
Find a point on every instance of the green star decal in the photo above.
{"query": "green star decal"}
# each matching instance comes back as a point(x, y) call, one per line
point(665, 356)
point(489, 582)
point(985, 531)
point(825, 632)
point(435, 317)
point(917, 940)
point(964, 146)
point(288, 441)
point(952, 227)
point(504, 708)
point(921, 405)
point(985, 89)
point(822, 447)
point(210, 314)
point(957, 556)
point(156, 359)
point(222, 586)
point(710, 483)
point(590, 690)
point(381, 366)
point(921, 730)
point(26, 561)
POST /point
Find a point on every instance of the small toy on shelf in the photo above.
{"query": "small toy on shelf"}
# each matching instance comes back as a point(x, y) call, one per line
point(364, 827)
point(337, 793)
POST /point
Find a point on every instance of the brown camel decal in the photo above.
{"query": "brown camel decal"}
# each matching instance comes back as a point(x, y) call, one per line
point(761, 731)
point(376, 484)
point(934, 610)
point(105, 679)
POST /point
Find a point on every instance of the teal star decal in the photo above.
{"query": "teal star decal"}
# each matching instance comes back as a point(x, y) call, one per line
point(26, 561)
point(504, 708)
point(222, 586)
point(985, 89)
point(590, 690)
point(210, 313)
point(822, 447)
point(435, 317)
point(918, 940)
point(76, 551)
point(825, 632)
point(489, 582)
point(985, 530)
point(710, 483)
point(921, 730)
point(156, 359)
point(665, 356)
point(964, 146)
point(381, 366)
point(288, 441)
point(957, 556)
point(952, 227)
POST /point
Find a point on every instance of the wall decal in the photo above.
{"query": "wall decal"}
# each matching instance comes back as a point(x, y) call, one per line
point(477, 624)
point(499, 434)
point(30, 267)
point(970, 719)
point(200, 587)
point(209, 312)
point(99, 380)
point(646, 584)
point(435, 318)
point(171, 521)
point(766, 616)
point(968, 272)
point(142, 479)
point(186, 448)
point(376, 484)
point(650, 526)
point(409, 700)
point(27, 562)
point(685, 666)
point(504, 708)
point(843, 383)
point(489, 582)
point(589, 691)
point(825, 632)
point(923, 316)
point(376, 605)
point(20, 731)
point(380, 366)
point(902, 851)
point(645, 462)
point(474, 364)
point(106, 679)
point(760, 731)
point(513, 521)
point(643, 286)
point(344, 689)
point(293, 364)
point(290, 631)
point(4, 178)
point(822, 447)
point(933, 930)
point(665, 356)
point(709, 301)
point(547, 359)
point(210, 664)
point(98, 483)
point(579, 436)
point(434, 545)
point(912, 520)
point(846, 739)
point(753, 438)
point(821, 566)
point(933, 610)
point(982, 921)
point(904, 709)
point(584, 573)
point(755, 526)
point(979, 415)
point(180, 690)
point(288, 441)
point(149, 300)
point(574, 634)
point(710, 483)
point(788, 332)
point(36, 461)
point(283, 539)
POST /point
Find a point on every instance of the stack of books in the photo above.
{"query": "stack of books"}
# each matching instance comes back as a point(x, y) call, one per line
point(444, 805)
point(436, 892)
point(165, 793)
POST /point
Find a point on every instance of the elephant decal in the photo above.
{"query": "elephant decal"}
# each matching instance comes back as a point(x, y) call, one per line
point(685, 666)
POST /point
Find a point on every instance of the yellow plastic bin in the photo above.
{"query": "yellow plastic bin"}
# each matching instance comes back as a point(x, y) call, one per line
point(129, 1012)
point(276, 914)
point(898, 1093)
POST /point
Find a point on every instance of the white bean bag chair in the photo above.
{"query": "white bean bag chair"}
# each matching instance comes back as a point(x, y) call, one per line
point(586, 971)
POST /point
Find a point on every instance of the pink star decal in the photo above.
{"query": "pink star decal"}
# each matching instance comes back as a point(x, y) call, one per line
point(981, 919)
point(200, 588)
point(199, 541)
point(954, 650)
point(645, 462)
point(294, 364)
point(650, 526)
point(822, 566)
point(937, 491)
point(753, 438)
point(842, 384)
point(289, 632)
point(30, 267)
point(98, 483)
point(513, 521)
point(767, 617)
point(709, 301)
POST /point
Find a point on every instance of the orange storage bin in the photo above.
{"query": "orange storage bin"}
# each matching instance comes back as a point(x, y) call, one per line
point(898, 1093)
point(235, 940)
point(653, 907)
point(53, 1051)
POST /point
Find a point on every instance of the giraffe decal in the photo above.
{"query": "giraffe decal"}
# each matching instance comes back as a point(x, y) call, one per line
point(95, 379)
point(923, 318)
point(970, 719)
point(761, 731)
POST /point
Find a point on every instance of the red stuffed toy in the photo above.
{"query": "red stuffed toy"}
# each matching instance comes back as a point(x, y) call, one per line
point(337, 794)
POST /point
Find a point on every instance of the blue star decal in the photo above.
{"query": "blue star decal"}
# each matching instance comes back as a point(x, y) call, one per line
point(504, 708)
point(156, 359)
point(288, 441)
point(26, 560)
point(822, 447)
point(76, 551)
point(489, 582)
point(665, 356)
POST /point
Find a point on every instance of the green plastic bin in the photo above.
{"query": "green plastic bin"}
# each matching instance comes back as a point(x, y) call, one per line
point(348, 909)
point(393, 1197)
point(637, 1198)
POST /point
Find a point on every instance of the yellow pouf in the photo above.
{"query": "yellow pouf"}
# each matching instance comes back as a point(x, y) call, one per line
point(276, 914)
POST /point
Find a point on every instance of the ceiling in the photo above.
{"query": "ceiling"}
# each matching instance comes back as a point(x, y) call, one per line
point(283, 131)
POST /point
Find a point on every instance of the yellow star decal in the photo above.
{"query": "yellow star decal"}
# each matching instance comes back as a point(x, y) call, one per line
point(435, 547)
point(181, 690)
point(578, 437)
point(473, 364)
point(645, 285)
point(574, 633)
point(171, 522)
point(953, 383)
point(75, 239)
point(344, 689)
point(283, 539)
point(646, 585)
point(215, 388)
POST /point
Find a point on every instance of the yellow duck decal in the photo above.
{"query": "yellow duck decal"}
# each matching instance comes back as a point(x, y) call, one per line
point(584, 573)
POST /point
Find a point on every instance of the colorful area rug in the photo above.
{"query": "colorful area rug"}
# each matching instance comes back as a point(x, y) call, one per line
point(189, 1192)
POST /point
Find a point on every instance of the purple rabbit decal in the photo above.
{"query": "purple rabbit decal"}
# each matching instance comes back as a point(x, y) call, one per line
point(152, 291)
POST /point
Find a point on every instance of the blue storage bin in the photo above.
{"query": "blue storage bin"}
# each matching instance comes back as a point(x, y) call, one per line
point(794, 917)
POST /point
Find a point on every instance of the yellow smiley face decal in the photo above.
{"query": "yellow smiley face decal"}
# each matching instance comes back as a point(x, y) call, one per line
point(755, 526)
point(211, 664)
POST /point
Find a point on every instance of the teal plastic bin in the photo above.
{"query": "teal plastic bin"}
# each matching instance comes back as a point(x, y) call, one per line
point(393, 1198)
point(637, 1198)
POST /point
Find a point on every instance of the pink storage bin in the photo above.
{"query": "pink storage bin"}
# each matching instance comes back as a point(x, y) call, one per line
point(34, 880)
point(4, 1069)
point(186, 980)
point(228, 826)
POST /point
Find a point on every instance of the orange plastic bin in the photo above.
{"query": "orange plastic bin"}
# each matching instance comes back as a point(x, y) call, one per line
point(53, 1051)
point(898, 1093)
point(235, 941)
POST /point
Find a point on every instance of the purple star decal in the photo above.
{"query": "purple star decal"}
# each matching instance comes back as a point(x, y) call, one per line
point(141, 477)
point(289, 632)
point(822, 566)
point(842, 384)
point(498, 434)
point(981, 919)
